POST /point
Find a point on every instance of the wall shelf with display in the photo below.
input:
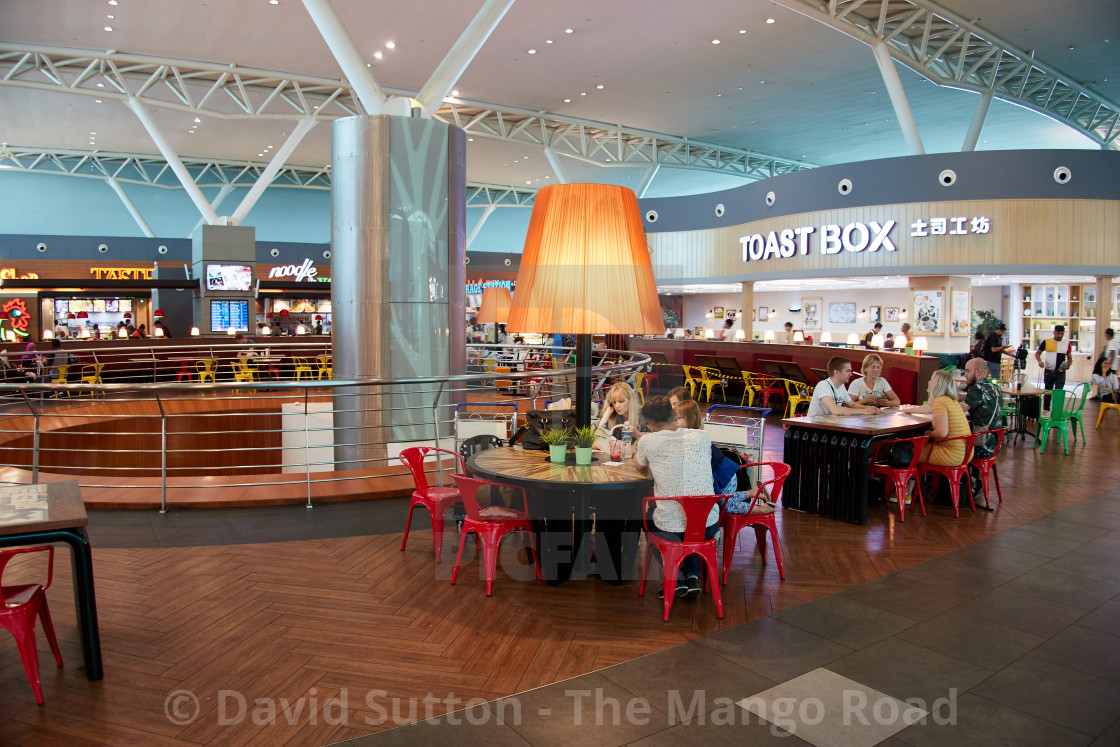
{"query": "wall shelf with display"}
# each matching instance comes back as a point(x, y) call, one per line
point(1045, 307)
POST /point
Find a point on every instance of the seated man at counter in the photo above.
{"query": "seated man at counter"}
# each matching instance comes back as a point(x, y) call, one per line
point(831, 395)
point(680, 461)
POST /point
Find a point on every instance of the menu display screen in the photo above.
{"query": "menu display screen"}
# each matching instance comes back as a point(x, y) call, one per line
point(226, 314)
point(229, 277)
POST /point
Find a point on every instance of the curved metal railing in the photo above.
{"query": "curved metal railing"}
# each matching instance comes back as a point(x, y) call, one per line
point(298, 439)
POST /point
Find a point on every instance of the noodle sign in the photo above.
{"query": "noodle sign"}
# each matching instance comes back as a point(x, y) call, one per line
point(299, 273)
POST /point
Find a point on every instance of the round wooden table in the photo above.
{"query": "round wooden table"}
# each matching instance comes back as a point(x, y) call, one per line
point(562, 499)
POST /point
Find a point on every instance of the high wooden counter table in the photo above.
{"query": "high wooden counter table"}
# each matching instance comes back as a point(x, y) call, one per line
point(562, 498)
point(830, 455)
point(53, 512)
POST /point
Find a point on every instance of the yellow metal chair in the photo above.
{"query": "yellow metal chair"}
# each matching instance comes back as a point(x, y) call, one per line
point(91, 374)
point(61, 380)
point(796, 393)
point(690, 381)
point(242, 371)
point(710, 378)
point(325, 367)
point(1106, 406)
point(206, 368)
point(638, 385)
point(301, 367)
point(750, 388)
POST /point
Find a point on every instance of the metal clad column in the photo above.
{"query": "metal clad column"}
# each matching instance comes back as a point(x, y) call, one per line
point(397, 291)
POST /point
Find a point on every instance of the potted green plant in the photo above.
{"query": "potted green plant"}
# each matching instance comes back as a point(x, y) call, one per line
point(585, 441)
point(557, 440)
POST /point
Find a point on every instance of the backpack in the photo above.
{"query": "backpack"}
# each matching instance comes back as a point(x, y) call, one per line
point(537, 422)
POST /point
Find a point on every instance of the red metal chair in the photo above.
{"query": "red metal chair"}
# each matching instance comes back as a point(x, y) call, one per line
point(651, 377)
point(696, 510)
point(899, 476)
point(988, 464)
point(758, 517)
point(185, 371)
point(436, 500)
point(953, 473)
point(18, 607)
point(770, 386)
point(490, 524)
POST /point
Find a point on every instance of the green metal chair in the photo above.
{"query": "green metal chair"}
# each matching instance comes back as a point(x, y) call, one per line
point(1007, 409)
point(1061, 403)
point(1076, 414)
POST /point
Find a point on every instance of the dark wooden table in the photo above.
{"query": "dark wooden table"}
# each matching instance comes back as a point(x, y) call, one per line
point(830, 455)
point(562, 499)
point(1020, 393)
point(60, 516)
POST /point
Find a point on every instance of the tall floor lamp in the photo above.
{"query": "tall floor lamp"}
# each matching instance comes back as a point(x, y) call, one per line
point(585, 270)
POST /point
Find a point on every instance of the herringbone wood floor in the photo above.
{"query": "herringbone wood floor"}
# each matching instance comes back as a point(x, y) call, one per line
point(308, 621)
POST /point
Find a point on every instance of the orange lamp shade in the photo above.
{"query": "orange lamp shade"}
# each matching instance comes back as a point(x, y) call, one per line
point(585, 268)
point(494, 308)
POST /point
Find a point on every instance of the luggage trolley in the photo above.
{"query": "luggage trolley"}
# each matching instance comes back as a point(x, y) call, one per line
point(738, 428)
point(498, 419)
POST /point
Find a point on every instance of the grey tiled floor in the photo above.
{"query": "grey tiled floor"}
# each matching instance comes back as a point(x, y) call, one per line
point(1021, 632)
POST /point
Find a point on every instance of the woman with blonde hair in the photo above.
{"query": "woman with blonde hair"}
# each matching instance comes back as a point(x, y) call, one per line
point(948, 420)
point(621, 406)
point(872, 389)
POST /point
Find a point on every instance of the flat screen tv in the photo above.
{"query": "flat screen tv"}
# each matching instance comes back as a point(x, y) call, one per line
point(229, 277)
point(226, 314)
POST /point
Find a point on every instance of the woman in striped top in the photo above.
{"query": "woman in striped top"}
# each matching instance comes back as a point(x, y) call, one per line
point(948, 420)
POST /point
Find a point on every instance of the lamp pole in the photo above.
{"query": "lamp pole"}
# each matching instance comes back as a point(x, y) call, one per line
point(583, 380)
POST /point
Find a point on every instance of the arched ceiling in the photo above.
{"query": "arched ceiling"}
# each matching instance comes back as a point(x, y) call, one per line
point(793, 88)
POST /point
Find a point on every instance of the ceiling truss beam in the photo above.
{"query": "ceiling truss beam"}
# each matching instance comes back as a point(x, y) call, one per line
point(953, 51)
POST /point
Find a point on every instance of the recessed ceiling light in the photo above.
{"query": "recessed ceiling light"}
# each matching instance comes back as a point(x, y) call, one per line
point(110, 16)
point(718, 95)
point(528, 181)
point(260, 155)
point(390, 45)
point(742, 31)
point(108, 28)
point(455, 92)
point(761, 81)
point(97, 101)
point(568, 31)
point(100, 85)
point(567, 101)
point(470, 140)
point(112, 2)
point(532, 51)
point(190, 132)
point(715, 41)
point(377, 55)
point(196, 119)
point(599, 87)
point(549, 41)
point(583, 93)
point(92, 133)
point(769, 20)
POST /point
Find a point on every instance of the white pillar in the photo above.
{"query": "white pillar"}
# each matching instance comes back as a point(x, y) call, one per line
point(346, 54)
point(977, 124)
point(557, 167)
point(647, 179)
point(478, 226)
point(173, 161)
point(130, 206)
point(223, 193)
point(461, 54)
point(898, 98)
point(278, 159)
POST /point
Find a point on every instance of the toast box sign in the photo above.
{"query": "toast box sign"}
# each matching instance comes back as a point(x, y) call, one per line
point(833, 239)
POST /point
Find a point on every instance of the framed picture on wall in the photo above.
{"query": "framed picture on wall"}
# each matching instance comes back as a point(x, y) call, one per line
point(763, 313)
point(890, 314)
point(959, 313)
point(810, 313)
point(842, 312)
point(717, 312)
point(876, 314)
point(730, 314)
point(698, 332)
point(927, 305)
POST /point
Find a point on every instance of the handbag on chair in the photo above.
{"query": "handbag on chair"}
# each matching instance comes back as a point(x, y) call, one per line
point(539, 422)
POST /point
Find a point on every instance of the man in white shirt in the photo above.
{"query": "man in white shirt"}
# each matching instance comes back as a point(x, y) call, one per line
point(830, 397)
point(680, 460)
point(1111, 349)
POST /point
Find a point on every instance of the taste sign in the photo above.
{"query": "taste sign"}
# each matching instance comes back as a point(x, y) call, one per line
point(854, 237)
